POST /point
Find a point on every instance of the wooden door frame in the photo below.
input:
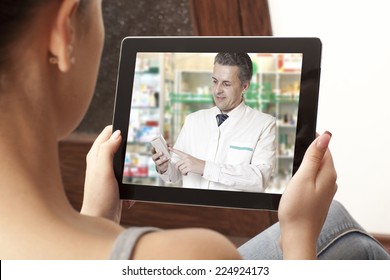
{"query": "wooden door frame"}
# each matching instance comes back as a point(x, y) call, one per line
point(231, 17)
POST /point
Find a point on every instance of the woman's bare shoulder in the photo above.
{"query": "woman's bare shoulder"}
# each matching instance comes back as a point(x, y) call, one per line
point(47, 238)
point(192, 243)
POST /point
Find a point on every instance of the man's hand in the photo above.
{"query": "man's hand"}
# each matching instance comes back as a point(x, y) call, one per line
point(188, 163)
point(306, 201)
point(160, 160)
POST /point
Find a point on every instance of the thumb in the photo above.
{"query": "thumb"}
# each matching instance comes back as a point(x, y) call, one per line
point(315, 153)
point(109, 148)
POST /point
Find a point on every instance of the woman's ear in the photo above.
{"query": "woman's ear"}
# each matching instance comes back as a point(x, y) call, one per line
point(63, 35)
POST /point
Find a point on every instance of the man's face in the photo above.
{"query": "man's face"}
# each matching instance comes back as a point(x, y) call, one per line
point(227, 88)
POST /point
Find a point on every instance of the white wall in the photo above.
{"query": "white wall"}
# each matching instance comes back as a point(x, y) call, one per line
point(354, 95)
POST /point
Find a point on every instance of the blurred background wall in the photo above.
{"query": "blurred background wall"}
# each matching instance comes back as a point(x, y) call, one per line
point(130, 18)
point(354, 95)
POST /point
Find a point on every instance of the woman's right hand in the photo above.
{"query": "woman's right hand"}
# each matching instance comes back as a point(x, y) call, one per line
point(101, 191)
point(305, 203)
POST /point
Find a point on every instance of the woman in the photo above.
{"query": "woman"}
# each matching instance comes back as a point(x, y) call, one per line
point(49, 58)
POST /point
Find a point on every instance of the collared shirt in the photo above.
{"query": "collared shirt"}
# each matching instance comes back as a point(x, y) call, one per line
point(239, 154)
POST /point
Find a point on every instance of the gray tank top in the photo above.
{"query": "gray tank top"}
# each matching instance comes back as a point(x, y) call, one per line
point(126, 240)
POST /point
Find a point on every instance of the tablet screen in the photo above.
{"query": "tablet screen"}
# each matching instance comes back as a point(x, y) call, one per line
point(170, 86)
point(177, 94)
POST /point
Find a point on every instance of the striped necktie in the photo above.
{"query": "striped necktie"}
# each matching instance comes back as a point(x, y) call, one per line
point(221, 118)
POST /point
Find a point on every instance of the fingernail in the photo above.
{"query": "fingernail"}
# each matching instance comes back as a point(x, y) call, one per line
point(116, 135)
point(329, 133)
point(324, 139)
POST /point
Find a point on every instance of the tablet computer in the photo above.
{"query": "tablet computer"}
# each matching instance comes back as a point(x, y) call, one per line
point(169, 89)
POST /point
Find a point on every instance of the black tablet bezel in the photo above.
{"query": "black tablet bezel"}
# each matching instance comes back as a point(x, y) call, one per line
point(306, 123)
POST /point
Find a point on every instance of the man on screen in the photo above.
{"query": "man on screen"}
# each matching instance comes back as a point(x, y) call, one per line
point(228, 147)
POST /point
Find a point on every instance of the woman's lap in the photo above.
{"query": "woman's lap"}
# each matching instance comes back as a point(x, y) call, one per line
point(341, 238)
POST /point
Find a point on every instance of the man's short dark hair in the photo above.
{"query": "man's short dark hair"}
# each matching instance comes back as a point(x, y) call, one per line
point(242, 60)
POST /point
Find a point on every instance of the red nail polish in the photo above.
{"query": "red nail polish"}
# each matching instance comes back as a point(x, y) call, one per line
point(327, 132)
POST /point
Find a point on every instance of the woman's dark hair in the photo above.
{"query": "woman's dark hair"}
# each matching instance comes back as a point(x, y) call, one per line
point(242, 60)
point(14, 17)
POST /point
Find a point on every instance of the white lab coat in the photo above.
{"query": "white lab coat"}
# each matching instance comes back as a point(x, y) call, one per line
point(239, 154)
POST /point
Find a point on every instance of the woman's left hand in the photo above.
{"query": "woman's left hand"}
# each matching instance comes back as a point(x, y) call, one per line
point(305, 202)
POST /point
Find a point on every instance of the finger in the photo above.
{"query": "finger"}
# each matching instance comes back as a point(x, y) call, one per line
point(107, 151)
point(184, 167)
point(162, 160)
point(327, 166)
point(177, 152)
point(157, 156)
point(184, 170)
point(102, 137)
point(180, 165)
point(315, 154)
point(327, 174)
